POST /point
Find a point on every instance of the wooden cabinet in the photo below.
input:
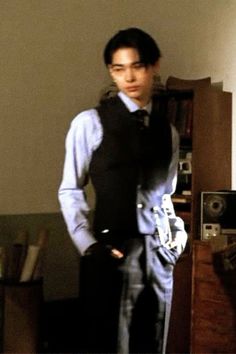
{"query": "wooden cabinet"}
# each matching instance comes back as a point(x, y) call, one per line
point(213, 325)
point(210, 141)
point(209, 144)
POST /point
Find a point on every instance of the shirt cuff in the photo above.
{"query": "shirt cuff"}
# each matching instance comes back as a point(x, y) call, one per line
point(82, 239)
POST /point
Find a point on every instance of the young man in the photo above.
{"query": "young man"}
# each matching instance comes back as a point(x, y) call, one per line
point(129, 251)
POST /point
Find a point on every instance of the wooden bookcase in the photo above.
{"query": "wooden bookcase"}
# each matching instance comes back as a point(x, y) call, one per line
point(210, 141)
point(209, 144)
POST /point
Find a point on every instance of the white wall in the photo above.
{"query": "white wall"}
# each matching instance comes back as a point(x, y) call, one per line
point(51, 68)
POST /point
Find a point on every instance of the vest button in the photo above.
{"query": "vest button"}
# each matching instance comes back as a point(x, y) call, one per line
point(140, 205)
point(105, 231)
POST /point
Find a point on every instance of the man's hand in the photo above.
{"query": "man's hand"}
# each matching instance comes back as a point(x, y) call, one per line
point(116, 253)
point(169, 255)
point(100, 250)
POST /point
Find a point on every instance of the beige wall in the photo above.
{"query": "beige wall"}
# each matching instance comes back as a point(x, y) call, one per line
point(51, 68)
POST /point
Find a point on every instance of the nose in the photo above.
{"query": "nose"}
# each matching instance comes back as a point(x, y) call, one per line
point(129, 75)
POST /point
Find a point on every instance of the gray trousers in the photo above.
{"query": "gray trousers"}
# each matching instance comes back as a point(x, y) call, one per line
point(125, 304)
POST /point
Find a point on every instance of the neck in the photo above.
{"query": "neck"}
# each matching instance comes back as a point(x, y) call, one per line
point(141, 102)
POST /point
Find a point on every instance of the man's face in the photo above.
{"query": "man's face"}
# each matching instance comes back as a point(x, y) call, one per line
point(131, 76)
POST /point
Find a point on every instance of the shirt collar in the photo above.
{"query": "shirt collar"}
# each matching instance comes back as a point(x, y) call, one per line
point(131, 105)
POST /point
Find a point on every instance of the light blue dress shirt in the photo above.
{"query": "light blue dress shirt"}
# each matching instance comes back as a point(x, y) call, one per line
point(83, 138)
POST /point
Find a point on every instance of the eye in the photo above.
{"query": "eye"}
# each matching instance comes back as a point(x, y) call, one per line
point(117, 69)
point(138, 66)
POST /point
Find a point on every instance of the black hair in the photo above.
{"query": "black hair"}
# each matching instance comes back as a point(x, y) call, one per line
point(136, 38)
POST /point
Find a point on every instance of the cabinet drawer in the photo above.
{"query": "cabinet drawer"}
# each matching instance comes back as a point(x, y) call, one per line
point(202, 252)
point(205, 271)
point(207, 339)
point(206, 290)
point(219, 314)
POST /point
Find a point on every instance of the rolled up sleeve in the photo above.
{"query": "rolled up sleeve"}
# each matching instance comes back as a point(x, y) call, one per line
point(82, 138)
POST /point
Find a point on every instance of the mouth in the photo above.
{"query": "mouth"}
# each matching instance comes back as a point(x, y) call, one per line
point(132, 88)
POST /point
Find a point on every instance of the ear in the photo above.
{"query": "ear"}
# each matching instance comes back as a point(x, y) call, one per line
point(109, 67)
point(157, 67)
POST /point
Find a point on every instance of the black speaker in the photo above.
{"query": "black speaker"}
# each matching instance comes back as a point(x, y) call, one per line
point(218, 214)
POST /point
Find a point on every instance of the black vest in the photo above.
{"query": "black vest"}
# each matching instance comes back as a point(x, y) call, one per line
point(127, 157)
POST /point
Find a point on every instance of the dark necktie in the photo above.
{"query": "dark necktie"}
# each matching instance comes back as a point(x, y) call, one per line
point(141, 116)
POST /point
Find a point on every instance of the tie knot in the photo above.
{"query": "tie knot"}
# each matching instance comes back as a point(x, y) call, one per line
point(141, 116)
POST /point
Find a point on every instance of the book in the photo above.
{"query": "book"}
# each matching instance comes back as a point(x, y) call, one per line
point(2, 262)
point(30, 263)
point(41, 242)
point(15, 256)
point(180, 114)
point(171, 110)
point(20, 244)
point(187, 192)
point(178, 198)
point(33, 265)
point(189, 119)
